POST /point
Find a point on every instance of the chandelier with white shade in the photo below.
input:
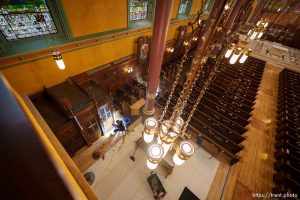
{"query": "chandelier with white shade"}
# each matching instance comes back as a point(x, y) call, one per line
point(237, 52)
point(163, 135)
point(258, 30)
point(167, 136)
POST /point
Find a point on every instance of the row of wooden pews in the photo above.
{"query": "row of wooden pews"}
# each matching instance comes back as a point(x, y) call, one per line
point(225, 109)
point(287, 154)
point(129, 94)
point(288, 35)
point(169, 70)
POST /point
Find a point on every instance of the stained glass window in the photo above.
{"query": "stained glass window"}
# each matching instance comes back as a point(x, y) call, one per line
point(138, 9)
point(25, 18)
point(183, 7)
point(208, 5)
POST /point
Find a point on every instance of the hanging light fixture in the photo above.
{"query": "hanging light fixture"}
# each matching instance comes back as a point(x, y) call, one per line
point(184, 151)
point(58, 59)
point(245, 55)
point(259, 29)
point(260, 33)
point(150, 128)
point(230, 50)
point(254, 34)
point(237, 52)
point(155, 154)
point(167, 131)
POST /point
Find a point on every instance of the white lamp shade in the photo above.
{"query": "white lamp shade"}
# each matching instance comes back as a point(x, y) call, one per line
point(260, 34)
point(228, 53)
point(266, 24)
point(151, 165)
point(177, 160)
point(243, 58)
point(250, 32)
point(147, 137)
point(258, 23)
point(60, 63)
point(234, 58)
point(253, 36)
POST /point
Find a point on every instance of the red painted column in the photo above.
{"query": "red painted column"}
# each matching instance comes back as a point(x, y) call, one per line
point(161, 23)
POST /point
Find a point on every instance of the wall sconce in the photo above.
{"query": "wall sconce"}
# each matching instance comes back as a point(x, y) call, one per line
point(129, 70)
point(194, 38)
point(186, 43)
point(58, 59)
point(170, 49)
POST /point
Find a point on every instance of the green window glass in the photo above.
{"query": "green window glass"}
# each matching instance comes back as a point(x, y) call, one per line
point(25, 18)
point(183, 7)
point(138, 9)
point(208, 5)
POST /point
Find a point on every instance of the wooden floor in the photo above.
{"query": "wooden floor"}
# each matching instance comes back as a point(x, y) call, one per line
point(255, 170)
point(83, 158)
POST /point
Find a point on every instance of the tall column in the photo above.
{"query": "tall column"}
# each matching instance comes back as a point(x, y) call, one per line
point(227, 28)
point(206, 37)
point(161, 23)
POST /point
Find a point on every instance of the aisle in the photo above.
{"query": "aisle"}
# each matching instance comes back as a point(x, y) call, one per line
point(254, 173)
point(119, 178)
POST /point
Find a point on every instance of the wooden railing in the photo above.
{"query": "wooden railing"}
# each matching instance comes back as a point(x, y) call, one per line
point(33, 163)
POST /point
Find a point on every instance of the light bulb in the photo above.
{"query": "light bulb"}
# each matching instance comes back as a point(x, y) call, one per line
point(58, 59)
point(228, 53)
point(258, 23)
point(177, 160)
point(260, 34)
point(250, 32)
point(186, 43)
point(179, 121)
point(243, 58)
point(155, 153)
point(60, 64)
point(183, 152)
point(199, 21)
point(151, 165)
point(266, 24)
point(234, 58)
point(149, 129)
point(186, 148)
point(254, 34)
point(226, 7)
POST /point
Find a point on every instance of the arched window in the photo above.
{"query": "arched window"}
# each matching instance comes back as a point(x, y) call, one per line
point(25, 18)
point(184, 7)
point(138, 10)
